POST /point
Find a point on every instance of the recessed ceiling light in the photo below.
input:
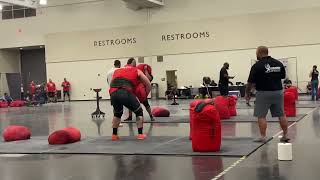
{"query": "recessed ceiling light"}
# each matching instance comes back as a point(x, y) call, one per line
point(41, 46)
point(21, 48)
point(43, 2)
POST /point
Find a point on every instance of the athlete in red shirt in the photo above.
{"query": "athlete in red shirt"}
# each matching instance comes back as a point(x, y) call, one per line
point(32, 90)
point(51, 89)
point(122, 88)
point(66, 89)
point(132, 63)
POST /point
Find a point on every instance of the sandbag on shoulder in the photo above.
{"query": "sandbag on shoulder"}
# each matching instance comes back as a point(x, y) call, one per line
point(140, 92)
point(16, 133)
point(141, 68)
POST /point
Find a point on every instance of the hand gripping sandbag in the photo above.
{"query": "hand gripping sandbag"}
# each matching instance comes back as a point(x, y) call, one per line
point(232, 105)
point(140, 92)
point(222, 105)
point(16, 133)
point(141, 68)
point(293, 90)
point(290, 104)
point(205, 128)
point(160, 112)
point(74, 134)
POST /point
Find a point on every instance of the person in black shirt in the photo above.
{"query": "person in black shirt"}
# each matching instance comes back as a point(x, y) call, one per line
point(314, 75)
point(224, 80)
point(266, 76)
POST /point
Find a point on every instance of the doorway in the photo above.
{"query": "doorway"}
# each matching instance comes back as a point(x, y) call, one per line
point(33, 66)
point(171, 79)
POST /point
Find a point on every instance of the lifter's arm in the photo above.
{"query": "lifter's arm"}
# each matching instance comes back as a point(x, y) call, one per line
point(145, 81)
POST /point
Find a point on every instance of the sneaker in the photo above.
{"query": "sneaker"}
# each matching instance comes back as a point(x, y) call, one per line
point(141, 136)
point(261, 140)
point(284, 139)
point(129, 118)
point(115, 137)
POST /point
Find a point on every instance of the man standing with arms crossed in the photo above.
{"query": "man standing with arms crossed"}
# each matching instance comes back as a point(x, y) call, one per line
point(66, 89)
point(266, 76)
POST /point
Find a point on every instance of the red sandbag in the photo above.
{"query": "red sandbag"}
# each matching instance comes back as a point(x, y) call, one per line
point(193, 104)
point(222, 105)
point(140, 92)
point(160, 112)
point(59, 137)
point(74, 134)
point(3, 104)
point(17, 103)
point(319, 92)
point(16, 133)
point(293, 90)
point(290, 104)
point(232, 105)
point(141, 68)
point(205, 129)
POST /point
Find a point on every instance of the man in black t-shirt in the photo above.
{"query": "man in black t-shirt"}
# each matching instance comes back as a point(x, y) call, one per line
point(224, 80)
point(266, 76)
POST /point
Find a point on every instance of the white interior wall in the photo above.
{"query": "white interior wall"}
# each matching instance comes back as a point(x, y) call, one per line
point(84, 76)
point(113, 13)
point(192, 67)
point(77, 15)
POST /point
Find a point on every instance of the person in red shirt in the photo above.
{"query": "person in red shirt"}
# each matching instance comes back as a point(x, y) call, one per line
point(123, 85)
point(51, 89)
point(132, 63)
point(66, 89)
point(32, 90)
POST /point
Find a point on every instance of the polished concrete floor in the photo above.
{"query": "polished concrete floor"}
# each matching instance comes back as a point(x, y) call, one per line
point(262, 164)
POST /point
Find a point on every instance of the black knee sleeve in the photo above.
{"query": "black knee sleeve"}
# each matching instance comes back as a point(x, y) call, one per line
point(139, 112)
point(118, 114)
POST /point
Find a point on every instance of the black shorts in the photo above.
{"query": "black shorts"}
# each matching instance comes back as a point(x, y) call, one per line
point(66, 93)
point(51, 94)
point(224, 89)
point(122, 98)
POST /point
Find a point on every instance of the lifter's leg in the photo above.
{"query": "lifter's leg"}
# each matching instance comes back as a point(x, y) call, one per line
point(139, 114)
point(284, 126)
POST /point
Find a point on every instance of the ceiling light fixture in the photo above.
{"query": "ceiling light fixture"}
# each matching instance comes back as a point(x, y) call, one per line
point(43, 2)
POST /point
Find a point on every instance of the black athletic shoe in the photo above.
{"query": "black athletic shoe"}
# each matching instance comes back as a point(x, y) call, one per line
point(284, 139)
point(129, 118)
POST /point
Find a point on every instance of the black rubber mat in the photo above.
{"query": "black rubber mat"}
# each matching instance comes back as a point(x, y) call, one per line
point(155, 145)
point(298, 105)
point(239, 118)
point(250, 118)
